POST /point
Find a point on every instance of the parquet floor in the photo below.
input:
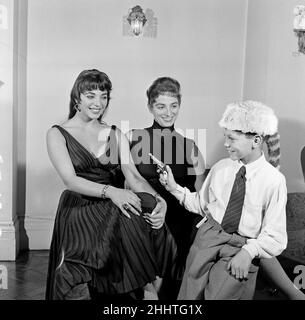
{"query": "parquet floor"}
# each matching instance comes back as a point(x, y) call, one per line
point(27, 279)
point(26, 276)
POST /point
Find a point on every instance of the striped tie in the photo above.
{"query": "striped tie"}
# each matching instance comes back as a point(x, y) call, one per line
point(232, 215)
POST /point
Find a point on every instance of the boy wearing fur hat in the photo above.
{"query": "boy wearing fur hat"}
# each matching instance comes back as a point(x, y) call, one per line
point(242, 202)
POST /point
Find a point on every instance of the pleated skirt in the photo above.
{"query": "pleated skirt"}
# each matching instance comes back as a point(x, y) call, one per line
point(94, 243)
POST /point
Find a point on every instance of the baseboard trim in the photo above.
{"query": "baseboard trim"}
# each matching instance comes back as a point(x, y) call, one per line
point(39, 231)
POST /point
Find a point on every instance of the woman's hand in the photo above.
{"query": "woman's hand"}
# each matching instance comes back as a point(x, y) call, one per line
point(167, 179)
point(126, 200)
point(157, 217)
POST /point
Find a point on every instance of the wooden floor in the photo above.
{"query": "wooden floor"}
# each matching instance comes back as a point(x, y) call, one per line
point(26, 276)
point(27, 279)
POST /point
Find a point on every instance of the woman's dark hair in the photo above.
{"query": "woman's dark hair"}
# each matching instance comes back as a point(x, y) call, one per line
point(166, 86)
point(88, 80)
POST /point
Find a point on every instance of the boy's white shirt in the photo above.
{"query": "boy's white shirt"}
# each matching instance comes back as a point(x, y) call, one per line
point(263, 218)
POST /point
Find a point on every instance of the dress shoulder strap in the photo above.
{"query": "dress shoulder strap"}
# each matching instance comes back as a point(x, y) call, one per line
point(63, 131)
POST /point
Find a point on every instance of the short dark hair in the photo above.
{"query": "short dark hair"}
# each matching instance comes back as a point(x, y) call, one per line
point(163, 85)
point(248, 135)
point(89, 80)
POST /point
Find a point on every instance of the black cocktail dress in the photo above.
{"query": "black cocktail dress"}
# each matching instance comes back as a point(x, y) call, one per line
point(94, 243)
point(175, 150)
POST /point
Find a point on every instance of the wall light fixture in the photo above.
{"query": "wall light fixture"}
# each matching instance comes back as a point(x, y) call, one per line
point(299, 26)
point(136, 18)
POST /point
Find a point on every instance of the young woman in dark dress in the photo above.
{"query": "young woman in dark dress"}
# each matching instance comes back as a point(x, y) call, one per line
point(164, 142)
point(101, 242)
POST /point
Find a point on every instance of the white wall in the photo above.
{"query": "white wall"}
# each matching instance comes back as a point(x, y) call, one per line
point(219, 50)
point(201, 43)
point(8, 163)
point(274, 75)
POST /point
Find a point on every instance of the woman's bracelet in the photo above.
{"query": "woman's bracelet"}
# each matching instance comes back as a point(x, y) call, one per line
point(103, 193)
point(157, 195)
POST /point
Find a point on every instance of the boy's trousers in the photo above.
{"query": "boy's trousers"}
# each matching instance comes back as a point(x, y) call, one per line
point(206, 275)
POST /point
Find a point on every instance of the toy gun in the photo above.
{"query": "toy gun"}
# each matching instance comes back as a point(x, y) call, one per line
point(160, 164)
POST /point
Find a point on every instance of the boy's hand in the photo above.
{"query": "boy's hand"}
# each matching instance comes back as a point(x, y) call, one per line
point(167, 179)
point(240, 264)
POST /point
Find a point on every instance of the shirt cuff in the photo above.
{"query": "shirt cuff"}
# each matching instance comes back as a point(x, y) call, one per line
point(252, 250)
point(179, 193)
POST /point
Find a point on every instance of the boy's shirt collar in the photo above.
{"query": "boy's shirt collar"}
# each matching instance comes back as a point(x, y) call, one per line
point(252, 167)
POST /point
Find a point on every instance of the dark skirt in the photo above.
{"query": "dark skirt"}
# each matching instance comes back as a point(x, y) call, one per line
point(94, 243)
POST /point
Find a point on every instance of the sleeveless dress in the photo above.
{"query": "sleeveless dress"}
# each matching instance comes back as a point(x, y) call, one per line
point(93, 243)
point(175, 150)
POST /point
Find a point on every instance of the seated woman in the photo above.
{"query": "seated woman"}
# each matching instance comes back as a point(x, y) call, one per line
point(164, 142)
point(101, 242)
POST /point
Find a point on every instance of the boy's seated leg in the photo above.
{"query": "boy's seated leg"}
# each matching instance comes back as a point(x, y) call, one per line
point(249, 291)
point(224, 286)
point(196, 275)
point(201, 258)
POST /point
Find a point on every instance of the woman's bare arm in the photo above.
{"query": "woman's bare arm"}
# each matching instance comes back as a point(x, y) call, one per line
point(60, 158)
point(138, 184)
point(61, 161)
point(134, 179)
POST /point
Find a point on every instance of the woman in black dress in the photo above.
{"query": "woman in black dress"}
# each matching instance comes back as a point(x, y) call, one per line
point(101, 242)
point(164, 142)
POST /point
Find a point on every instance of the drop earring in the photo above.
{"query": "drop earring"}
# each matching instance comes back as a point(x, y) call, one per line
point(76, 107)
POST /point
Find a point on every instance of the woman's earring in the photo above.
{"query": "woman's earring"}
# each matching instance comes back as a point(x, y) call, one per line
point(76, 107)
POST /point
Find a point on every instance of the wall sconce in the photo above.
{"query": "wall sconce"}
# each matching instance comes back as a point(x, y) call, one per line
point(136, 19)
point(299, 26)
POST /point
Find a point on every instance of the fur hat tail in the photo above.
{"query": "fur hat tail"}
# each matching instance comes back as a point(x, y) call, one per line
point(273, 146)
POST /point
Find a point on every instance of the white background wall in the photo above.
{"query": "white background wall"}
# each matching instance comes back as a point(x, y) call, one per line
point(196, 43)
point(219, 50)
point(273, 74)
point(7, 164)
